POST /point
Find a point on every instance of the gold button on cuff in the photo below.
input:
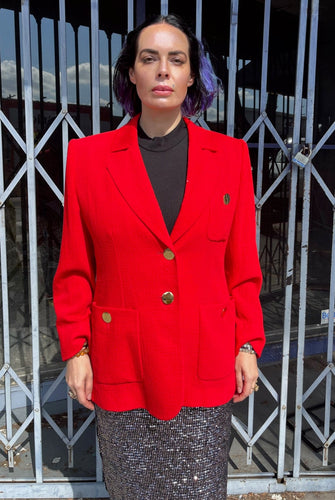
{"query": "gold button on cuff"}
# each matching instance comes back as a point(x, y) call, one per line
point(168, 254)
point(226, 199)
point(106, 317)
point(167, 298)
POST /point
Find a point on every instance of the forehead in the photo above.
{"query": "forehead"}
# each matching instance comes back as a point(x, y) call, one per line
point(162, 37)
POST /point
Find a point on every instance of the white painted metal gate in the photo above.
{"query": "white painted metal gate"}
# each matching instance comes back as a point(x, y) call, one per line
point(283, 437)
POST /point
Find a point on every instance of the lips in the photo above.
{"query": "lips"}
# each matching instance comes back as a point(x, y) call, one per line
point(162, 91)
point(162, 88)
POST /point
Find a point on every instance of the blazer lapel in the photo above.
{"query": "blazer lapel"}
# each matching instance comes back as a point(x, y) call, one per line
point(130, 176)
point(202, 176)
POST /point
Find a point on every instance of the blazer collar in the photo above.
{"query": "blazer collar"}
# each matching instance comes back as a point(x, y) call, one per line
point(130, 176)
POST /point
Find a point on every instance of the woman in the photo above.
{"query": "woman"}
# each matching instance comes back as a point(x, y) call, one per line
point(158, 279)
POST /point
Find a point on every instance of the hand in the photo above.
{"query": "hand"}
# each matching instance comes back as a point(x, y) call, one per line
point(79, 378)
point(246, 375)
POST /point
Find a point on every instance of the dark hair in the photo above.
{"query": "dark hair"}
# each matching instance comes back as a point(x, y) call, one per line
point(200, 94)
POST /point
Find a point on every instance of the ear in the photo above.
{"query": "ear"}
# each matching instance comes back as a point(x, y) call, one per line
point(132, 76)
point(190, 81)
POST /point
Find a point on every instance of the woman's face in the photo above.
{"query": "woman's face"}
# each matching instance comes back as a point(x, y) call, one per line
point(162, 71)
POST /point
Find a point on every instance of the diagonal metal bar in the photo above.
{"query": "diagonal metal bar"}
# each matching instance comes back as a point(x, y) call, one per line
point(277, 138)
point(48, 133)
point(240, 427)
point(254, 126)
point(82, 429)
point(274, 186)
point(323, 185)
point(263, 428)
point(74, 126)
point(54, 426)
point(323, 140)
point(21, 430)
point(19, 382)
point(53, 386)
point(269, 387)
point(316, 382)
point(313, 425)
point(200, 120)
point(12, 185)
point(49, 181)
point(12, 131)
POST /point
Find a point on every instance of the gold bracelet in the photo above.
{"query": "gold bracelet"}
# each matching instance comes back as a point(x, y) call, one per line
point(84, 350)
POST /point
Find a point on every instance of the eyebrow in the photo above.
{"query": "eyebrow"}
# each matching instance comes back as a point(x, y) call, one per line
point(171, 53)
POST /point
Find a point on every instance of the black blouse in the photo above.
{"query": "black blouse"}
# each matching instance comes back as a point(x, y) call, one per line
point(165, 159)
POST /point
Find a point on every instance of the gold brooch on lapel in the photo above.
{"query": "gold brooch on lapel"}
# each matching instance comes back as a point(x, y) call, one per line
point(226, 199)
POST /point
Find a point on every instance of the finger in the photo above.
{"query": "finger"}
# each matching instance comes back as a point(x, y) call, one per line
point(82, 398)
point(247, 390)
point(239, 382)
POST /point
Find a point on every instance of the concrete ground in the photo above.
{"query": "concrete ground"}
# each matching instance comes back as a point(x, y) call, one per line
point(330, 495)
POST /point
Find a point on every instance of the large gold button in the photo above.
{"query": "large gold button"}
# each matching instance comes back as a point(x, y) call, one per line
point(106, 317)
point(168, 254)
point(167, 298)
point(226, 199)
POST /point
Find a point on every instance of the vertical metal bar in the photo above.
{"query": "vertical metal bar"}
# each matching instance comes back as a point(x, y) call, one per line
point(40, 69)
point(110, 79)
point(95, 65)
point(130, 17)
point(33, 271)
point(291, 238)
point(330, 344)
point(232, 67)
point(305, 237)
point(198, 19)
point(98, 462)
point(70, 431)
point(164, 7)
point(63, 79)
point(5, 308)
point(263, 100)
point(76, 59)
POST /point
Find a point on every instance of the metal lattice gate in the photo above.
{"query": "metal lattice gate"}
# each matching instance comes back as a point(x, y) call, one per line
point(283, 436)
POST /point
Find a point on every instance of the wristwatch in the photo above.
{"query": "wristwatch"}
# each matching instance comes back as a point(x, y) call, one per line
point(247, 347)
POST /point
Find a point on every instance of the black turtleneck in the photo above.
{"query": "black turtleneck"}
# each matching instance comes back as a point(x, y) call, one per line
point(165, 159)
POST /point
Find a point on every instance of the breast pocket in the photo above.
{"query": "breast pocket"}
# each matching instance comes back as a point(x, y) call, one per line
point(220, 216)
point(216, 357)
point(115, 346)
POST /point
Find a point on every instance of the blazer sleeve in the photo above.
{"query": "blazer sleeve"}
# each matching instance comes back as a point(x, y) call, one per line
point(74, 281)
point(244, 276)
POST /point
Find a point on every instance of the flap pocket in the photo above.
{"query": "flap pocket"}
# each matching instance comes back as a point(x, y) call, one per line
point(220, 216)
point(115, 345)
point(217, 340)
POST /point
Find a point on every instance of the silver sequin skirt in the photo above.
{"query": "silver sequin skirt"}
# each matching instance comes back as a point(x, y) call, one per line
point(149, 459)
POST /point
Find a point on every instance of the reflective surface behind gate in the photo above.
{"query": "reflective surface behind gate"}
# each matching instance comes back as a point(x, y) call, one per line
point(274, 60)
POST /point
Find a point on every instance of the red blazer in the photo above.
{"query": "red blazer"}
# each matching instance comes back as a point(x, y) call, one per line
point(164, 314)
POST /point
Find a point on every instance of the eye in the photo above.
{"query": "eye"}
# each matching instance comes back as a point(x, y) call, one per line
point(148, 59)
point(177, 60)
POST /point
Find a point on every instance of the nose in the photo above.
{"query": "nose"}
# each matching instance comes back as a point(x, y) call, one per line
point(163, 69)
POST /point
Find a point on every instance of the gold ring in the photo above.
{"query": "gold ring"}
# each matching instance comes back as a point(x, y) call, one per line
point(256, 388)
point(72, 394)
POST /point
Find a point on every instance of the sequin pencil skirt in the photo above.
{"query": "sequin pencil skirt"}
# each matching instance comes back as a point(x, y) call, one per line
point(149, 459)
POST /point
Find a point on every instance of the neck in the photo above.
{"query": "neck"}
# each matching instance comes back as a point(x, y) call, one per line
point(157, 124)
